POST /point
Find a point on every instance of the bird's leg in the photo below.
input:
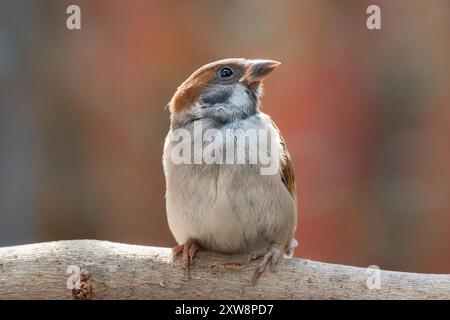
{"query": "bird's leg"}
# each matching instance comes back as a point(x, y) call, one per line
point(189, 250)
point(271, 255)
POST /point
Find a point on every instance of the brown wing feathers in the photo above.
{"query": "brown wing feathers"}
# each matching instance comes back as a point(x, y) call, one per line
point(287, 169)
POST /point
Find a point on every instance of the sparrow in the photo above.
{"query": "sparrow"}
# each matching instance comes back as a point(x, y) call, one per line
point(221, 206)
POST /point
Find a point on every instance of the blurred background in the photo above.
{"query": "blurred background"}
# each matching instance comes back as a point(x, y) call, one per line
point(366, 116)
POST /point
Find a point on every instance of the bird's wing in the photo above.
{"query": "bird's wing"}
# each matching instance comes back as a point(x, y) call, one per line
point(287, 169)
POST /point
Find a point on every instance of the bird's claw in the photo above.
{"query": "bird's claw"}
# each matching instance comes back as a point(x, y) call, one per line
point(270, 256)
point(189, 250)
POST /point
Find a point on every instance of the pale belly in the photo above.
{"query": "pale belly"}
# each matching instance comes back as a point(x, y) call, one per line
point(231, 209)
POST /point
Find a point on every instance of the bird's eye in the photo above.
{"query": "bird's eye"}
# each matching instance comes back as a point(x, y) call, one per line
point(225, 72)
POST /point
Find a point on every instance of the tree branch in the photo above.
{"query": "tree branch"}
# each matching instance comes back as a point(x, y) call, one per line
point(120, 271)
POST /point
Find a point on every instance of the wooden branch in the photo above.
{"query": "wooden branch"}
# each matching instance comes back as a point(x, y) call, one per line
point(120, 271)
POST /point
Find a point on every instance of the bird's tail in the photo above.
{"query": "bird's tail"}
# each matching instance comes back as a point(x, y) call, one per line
point(289, 249)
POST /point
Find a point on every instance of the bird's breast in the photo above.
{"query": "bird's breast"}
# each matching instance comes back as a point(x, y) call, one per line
point(223, 205)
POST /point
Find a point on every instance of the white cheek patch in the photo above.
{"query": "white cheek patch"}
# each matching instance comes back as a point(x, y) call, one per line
point(239, 97)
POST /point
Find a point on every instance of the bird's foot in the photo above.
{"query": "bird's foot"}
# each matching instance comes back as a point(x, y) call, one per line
point(189, 250)
point(270, 256)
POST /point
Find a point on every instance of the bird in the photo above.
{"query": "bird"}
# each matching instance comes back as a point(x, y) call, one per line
point(221, 206)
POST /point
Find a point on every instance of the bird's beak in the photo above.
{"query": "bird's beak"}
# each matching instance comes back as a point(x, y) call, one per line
point(257, 70)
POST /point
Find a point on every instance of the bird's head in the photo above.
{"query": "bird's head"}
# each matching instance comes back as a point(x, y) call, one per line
point(225, 90)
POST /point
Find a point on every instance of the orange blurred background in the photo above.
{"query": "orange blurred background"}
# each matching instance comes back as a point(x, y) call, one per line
point(365, 115)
